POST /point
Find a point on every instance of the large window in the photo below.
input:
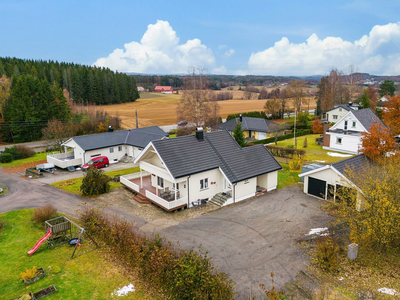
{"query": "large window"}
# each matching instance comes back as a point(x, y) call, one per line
point(112, 150)
point(335, 117)
point(160, 181)
point(204, 184)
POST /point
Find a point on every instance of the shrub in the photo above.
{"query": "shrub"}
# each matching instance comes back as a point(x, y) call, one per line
point(44, 213)
point(305, 143)
point(296, 163)
point(327, 252)
point(288, 152)
point(25, 151)
point(95, 183)
point(6, 158)
point(29, 274)
point(284, 137)
point(2, 224)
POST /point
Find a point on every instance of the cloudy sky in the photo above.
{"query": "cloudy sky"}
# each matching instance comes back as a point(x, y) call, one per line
point(224, 37)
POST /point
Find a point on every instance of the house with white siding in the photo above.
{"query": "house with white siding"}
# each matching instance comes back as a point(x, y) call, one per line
point(345, 135)
point(186, 171)
point(115, 145)
point(339, 111)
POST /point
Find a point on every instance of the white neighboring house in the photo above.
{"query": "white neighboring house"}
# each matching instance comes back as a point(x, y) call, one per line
point(115, 145)
point(339, 111)
point(325, 182)
point(345, 135)
point(182, 171)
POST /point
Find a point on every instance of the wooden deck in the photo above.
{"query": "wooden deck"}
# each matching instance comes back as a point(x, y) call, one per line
point(146, 185)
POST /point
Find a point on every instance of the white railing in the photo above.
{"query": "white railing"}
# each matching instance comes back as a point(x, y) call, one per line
point(164, 203)
point(136, 175)
point(64, 162)
point(64, 155)
point(123, 180)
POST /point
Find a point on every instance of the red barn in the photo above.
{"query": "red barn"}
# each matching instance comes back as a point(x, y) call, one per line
point(163, 89)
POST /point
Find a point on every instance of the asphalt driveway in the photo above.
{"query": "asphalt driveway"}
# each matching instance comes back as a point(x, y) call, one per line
point(249, 240)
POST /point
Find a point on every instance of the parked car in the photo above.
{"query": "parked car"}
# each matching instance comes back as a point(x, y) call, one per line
point(97, 162)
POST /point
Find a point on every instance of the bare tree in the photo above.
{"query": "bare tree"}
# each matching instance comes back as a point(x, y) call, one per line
point(352, 82)
point(296, 91)
point(273, 107)
point(198, 105)
point(57, 133)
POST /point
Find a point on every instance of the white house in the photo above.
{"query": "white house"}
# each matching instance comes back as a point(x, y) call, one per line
point(345, 135)
point(326, 182)
point(339, 111)
point(256, 128)
point(115, 145)
point(188, 170)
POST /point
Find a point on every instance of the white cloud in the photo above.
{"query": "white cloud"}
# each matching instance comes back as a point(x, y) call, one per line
point(229, 53)
point(219, 70)
point(159, 51)
point(376, 53)
point(221, 47)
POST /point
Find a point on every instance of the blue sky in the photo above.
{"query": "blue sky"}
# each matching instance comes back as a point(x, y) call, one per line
point(224, 37)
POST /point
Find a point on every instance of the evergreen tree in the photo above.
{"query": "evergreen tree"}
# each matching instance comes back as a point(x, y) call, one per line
point(238, 135)
point(365, 102)
point(387, 88)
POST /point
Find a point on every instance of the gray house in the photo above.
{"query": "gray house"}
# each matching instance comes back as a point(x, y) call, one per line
point(115, 145)
point(256, 128)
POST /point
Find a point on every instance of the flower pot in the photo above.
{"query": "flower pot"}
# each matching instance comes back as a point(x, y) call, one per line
point(44, 292)
point(24, 296)
point(40, 273)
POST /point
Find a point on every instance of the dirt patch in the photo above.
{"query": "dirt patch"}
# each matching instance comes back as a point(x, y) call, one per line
point(21, 168)
point(156, 217)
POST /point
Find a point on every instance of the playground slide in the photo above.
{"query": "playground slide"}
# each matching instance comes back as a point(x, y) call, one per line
point(33, 250)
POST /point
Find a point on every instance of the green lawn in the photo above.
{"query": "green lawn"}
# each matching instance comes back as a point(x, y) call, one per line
point(73, 185)
point(314, 152)
point(37, 157)
point(287, 177)
point(88, 276)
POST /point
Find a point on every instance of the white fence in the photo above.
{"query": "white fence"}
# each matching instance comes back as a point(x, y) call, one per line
point(126, 180)
point(64, 160)
point(164, 203)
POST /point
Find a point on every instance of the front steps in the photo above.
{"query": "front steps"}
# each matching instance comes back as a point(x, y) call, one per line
point(141, 199)
point(219, 199)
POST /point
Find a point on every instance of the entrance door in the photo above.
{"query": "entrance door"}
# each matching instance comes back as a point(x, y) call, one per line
point(316, 187)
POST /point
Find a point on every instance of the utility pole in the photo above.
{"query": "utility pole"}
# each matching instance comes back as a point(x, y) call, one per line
point(137, 126)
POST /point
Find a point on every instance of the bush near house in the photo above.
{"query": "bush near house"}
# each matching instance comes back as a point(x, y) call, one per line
point(44, 213)
point(300, 132)
point(95, 182)
point(6, 158)
point(285, 152)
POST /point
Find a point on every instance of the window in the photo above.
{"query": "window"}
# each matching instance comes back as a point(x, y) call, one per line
point(112, 150)
point(177, 186)
point(204, 184)
point(119, 148)
point(160, 181)
point(354, 124)
point(340, 109)
point(338, 140)
point(335, 117)
point(345, 125)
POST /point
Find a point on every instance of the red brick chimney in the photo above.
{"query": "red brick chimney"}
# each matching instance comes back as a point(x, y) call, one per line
point(327, 137)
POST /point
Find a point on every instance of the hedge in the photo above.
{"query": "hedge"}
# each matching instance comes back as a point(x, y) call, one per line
point(285, 152)
point(6, 158)
point(283, 137)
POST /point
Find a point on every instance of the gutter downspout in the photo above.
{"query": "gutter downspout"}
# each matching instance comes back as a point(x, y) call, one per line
point(234, 193)
point(188, 190)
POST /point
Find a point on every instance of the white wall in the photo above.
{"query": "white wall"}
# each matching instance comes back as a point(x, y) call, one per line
point(350, 118)
point(350, 142)
point(339, 112)
point(112, 157)
point(330, 176)
point(245, 189)
point(194, 185)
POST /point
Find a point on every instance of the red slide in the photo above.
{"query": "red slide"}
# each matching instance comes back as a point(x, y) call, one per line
point(33, 250)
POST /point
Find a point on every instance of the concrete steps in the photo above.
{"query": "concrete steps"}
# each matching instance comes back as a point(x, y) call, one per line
point(219, 199)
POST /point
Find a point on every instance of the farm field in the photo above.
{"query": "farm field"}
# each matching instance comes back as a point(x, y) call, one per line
point(160, 109)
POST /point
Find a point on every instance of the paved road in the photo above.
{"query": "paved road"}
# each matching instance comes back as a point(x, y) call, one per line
point(30, 193)
point(249, 240)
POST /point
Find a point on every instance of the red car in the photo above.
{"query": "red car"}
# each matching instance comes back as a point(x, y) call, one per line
point(97, 162)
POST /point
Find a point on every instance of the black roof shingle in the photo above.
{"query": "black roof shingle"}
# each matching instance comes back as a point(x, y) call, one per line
point(256, 124)
point(356, 163)
point(184, 156)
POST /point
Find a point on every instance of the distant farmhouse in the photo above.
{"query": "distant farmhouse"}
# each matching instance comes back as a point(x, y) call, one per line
point(345, 135)
point(140, 89)
point(255, 128)
point(163, 89)
point(189, 170)
point(338, 111)
point(115, 145)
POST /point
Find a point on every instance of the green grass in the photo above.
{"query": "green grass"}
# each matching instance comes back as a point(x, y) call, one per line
point(37, 157)
point(314, 152)
point(73, 185)
point(287, 177)
point(87, 276)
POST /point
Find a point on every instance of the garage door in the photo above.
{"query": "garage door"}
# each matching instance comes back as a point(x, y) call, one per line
point(316, 187)
point(262, 135)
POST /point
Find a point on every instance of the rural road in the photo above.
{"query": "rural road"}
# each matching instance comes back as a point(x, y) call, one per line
point(248, 240)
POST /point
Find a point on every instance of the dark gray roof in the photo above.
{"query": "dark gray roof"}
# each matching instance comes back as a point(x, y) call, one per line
point(256, 124)
point(344, 106)
point(187, 155)
point(357, 163)
point(138, 137)
point(367, 117)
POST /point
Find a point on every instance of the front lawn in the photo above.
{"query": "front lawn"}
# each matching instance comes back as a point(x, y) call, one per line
point(73, 185)
point(39, 156)
point(314, 152)
point(287, 177)
point(88, 276)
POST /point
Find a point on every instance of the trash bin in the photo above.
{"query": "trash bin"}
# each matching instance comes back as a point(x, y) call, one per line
point(353, 249)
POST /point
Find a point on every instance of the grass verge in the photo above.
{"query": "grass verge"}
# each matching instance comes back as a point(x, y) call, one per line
point(39, 156)
point(73, 185)
point(88, 276)
point(287, 177)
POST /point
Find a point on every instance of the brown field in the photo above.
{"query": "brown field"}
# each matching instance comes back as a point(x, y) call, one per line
point(159, 109)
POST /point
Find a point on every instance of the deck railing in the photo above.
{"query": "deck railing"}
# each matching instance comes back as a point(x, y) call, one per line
point(164, 203)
